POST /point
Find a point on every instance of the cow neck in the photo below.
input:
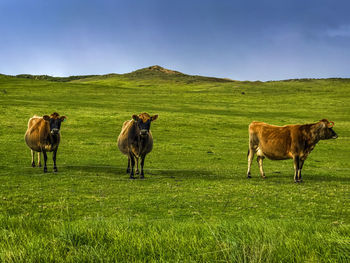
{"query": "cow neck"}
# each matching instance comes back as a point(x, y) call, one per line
point(53, 139)
point(141, 140)
point(312, 136)
point(137, 132)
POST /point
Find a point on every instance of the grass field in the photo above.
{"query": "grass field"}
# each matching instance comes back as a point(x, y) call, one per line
point(195, 204)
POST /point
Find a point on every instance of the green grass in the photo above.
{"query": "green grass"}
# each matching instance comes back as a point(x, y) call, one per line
point(195, 204)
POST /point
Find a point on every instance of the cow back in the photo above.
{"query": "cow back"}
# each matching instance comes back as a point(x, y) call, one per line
point(37, 133)
point(124, 135)
point(272, 141)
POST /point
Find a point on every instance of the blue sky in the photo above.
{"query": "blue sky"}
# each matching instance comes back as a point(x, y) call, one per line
point(242, 40)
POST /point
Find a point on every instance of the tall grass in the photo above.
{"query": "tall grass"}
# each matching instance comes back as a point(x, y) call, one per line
point(103, 239)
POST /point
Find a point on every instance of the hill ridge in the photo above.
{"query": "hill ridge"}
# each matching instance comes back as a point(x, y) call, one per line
point(159, 69)
point(149, 72)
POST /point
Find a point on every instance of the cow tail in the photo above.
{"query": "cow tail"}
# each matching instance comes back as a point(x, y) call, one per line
point(248, 152)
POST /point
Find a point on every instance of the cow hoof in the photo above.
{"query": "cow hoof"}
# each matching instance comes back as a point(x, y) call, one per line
point(263, 177)
point(33, 165)
point(128, 171)
point(45, 170)
point(249, 176)
point(142, 177)
point(55, 170)
point(131, 177)
point(39, 165)
point(137, 172)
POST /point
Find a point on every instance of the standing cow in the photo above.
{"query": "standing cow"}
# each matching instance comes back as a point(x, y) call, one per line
point(286, 142)
point(43, 135)
point(136, 141)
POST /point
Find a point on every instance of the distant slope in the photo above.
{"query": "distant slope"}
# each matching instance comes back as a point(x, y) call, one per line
point(152, 72)
point(50, 78)
point(148, 73)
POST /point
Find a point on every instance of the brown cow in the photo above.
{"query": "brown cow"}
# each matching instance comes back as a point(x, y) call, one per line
point(286, 142)
point(136, 141)
point(43, 135)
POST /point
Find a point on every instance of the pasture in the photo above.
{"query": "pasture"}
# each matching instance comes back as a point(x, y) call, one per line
point(195, 204)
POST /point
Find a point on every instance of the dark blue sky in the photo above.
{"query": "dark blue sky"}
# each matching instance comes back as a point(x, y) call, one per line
point(243, 40)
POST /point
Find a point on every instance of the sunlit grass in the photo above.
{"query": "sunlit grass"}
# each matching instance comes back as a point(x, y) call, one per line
point(195, 203)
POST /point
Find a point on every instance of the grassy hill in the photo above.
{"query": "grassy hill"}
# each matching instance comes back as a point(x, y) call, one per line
point(195, 203)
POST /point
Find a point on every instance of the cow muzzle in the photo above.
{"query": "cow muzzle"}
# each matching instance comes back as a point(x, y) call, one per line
point(335, 136)
point(55, 131)
point(143, 132)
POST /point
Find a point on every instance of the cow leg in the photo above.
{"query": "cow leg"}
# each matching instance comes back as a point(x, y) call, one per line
point(45, 160)
point(39, 159)
point(260, 159)
point(250, 159)
point(132, 159)
point(128, 169)
point(54, 161)
point(142, 163)
point(33, 161)
point(296, 161)
point(301, 164)
point(137, 165)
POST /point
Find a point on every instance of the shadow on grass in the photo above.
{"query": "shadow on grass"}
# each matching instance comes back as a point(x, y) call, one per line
point(273, 176)
point(181, 174)
point(325, 178)
point(149, 173)
point(106, 169)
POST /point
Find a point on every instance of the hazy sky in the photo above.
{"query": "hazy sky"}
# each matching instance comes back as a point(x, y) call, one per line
point(242, 40)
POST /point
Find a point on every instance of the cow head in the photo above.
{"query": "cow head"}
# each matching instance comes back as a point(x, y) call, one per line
point(143, 122)
point(55, 121)
point(325, 130)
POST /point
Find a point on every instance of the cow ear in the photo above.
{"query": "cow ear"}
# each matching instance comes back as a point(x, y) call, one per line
point(135, 117)
point(154, 117)
point(63, 118)
point(330, 124)
point(46, 117)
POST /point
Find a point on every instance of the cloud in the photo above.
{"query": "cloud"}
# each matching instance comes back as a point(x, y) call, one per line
point(340, 31)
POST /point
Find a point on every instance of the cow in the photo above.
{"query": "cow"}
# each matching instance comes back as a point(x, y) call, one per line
point(43, 135)
point(286, 142)
point(135, 141)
